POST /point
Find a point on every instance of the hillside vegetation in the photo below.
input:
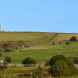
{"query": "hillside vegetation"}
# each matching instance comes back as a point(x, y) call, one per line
point(41, 45)
point(20, 48)
point(36, 38)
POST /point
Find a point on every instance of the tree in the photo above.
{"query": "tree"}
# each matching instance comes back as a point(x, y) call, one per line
point(75, 60)
point(0, 54)
point(67, 42)
point(61, 66)
point(7, 59)
point(73, 38)
point(28, 61)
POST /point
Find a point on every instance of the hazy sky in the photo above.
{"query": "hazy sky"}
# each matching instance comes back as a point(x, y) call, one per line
point(39, 15)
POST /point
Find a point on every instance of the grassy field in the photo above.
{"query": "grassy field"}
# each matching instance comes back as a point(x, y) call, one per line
point(41, 50)
point(43, 54)
point(36, 38)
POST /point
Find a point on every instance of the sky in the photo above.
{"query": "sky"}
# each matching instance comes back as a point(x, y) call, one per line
point(39, 15)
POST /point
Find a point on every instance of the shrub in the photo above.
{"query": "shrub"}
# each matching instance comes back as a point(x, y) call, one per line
point(75, 60)
point(73, 38)
point(0, 54)
point(61, 66)
point(67, 42)
point(28, 61)
point(7, 59)
point(53, 43)
point(8, 49)
point(20, 43)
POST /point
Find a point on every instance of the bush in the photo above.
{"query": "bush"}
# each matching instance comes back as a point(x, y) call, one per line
point(6, 47)
point(28, 61)
point(73, 38)
point(67, 42)
point(75, 60)
point(0, 54)
point(7, 59)
point(20, 43)
point(8, 50)
point(61, 66)
point(53, 43)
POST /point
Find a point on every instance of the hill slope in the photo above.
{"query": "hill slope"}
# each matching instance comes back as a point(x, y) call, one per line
point(36, 38)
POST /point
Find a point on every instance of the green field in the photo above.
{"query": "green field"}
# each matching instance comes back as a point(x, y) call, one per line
point(41, 48)
point(43, 54)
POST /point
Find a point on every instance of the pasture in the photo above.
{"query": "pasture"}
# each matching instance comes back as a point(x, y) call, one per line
point(41, 48)
point(43, 54)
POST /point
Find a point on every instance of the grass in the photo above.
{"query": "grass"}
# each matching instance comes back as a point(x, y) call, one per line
point(43, 54)
point(41, 51)
point(35, 37)
point(12, 72)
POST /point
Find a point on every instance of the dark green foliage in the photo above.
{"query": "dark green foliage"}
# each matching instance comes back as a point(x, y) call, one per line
point(67, 42)
point(61, 66)
point(75, 60)
point(53, 43)
point(28, 61)
point(7, 59)
point(7, 50)
point(0, 54)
